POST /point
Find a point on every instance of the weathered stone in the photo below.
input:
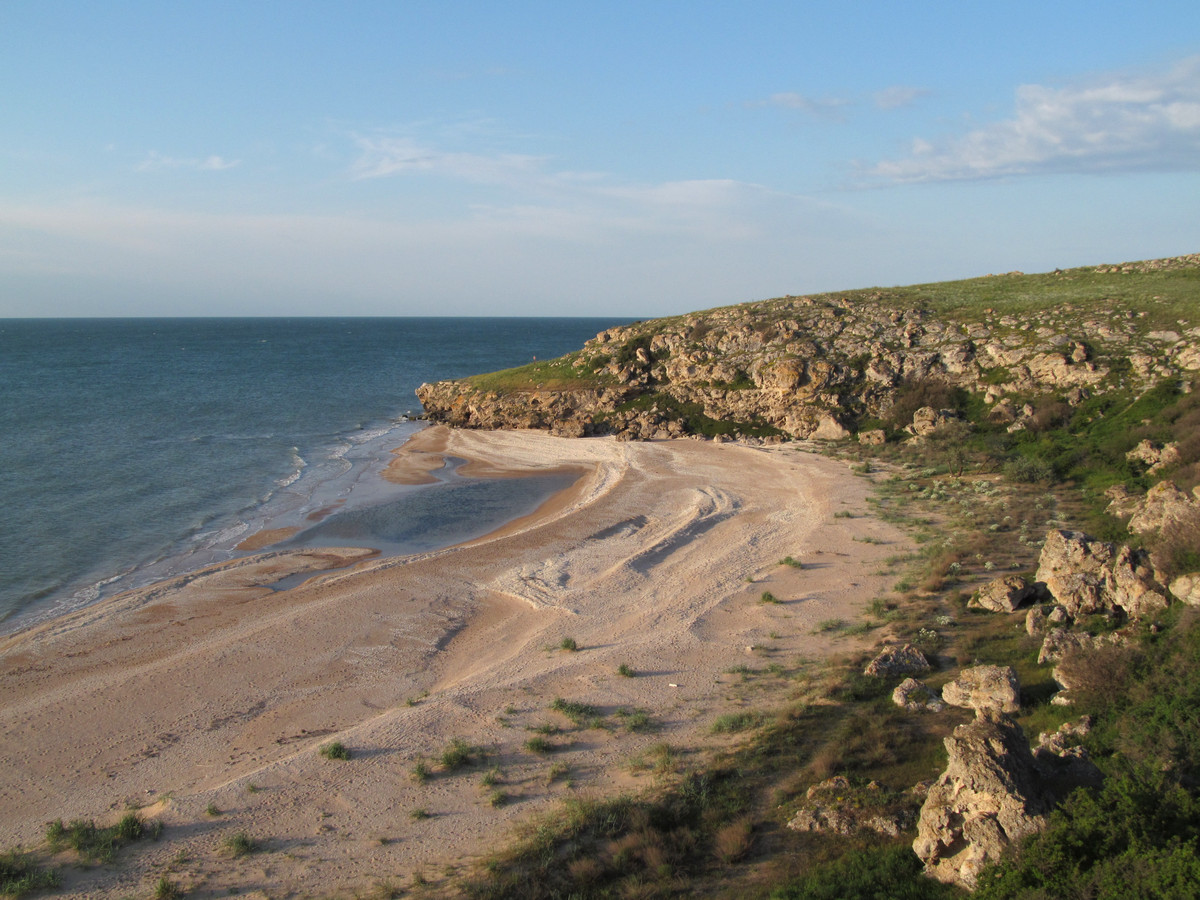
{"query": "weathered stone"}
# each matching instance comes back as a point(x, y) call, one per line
point(985, 688)
point(1087, 575)
point(830, 429)
point(915, 696)
point(1035, 621)
point(906, 660)
point(989, 796)
point(873, 437)
point(1155, 456)
point(1060, 641)
point(1003, 594)
point(1163, 505)
point(837, 806)
point(927, 420)
point(1186, 589)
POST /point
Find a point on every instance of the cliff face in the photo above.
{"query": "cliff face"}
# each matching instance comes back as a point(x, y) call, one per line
point(820, 367)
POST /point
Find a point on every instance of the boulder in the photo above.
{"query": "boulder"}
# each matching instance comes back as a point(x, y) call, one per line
point(906, 660)
point(837, 806)
point(1087, 575)
point(1186, 589)
point(915, 696)
point(985, 688)
point(830, 429)
point(1164, 504)
point(1155, 456)
point(1035, 621)
point(927, 420)
point(874, 437)
point(1060, 641)
point(990, 795)
point(1003, 594)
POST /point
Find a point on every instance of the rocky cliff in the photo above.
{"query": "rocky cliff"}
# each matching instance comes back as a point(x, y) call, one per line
point(825, 367)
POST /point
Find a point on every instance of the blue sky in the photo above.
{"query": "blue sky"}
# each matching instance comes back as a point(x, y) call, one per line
point(530, 158)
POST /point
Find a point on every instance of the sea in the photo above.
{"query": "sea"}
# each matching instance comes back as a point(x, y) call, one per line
point(133, 450)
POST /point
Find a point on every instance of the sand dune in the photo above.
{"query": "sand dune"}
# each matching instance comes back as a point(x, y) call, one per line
point(214, 690)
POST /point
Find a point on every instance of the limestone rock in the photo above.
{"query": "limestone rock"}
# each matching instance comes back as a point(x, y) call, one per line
point(1003, 594)
point(990, 795)
point(927, 420)
point(1087, 575)
point(1035, 621)
point(1061, 642)
point(915, 696)
point(837, 806)
point(1186, 589)
point(1155, 456)
point(830, 429)
point(985, 688)
point(906, 660)
point(874, 437)
point(1163, 505)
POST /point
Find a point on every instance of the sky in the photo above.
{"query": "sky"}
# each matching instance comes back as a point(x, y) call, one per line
point(557, 158)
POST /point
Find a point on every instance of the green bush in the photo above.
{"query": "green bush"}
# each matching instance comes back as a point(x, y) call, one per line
point(886, 873)
point(335, 750)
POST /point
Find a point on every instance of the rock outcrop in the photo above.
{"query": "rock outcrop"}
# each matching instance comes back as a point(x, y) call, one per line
point(915, 696)
point(836, 806)
point(808, 367)
point(1087, 575)
point(1164, 505)
point(985, 688)
point(905, 660)
point(1003, 595)
point(990, 795)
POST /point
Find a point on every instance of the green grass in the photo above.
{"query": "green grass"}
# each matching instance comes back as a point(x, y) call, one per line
point(99, 844)
point(568, 644)
point(625, 671)
point(239, 844)
point(768, 597)
point(335, 750)
point(577, 712)
point(539, 745)
point(457, 754)
point(21, 874)
point(792, 562)
point(731, 723)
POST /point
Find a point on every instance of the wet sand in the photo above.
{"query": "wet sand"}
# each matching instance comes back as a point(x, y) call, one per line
point(214, 690)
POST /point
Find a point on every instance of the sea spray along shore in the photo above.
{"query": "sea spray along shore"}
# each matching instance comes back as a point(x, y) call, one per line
point(666, 668)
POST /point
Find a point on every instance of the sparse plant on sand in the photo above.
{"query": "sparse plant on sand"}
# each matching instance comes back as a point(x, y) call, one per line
point(792, 562)
point(239, 844)
point(768, 597)
point(335, 750)
point(568, 644)
point(624, 671)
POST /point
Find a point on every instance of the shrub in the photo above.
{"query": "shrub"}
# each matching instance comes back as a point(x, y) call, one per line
point(458, 753)
point(539, 745)
point(573, 710)
point(239, 844)
point(336, 750)
point(730, 723)
point(624, 671)
point(768, 597)
point(568, 643)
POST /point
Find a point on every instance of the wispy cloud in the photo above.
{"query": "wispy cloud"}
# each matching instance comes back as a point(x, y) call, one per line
point(894, 97)
point(822, 107)
point(898, 96)
point(383, 156)
point(1125, 121)
point(155, 161)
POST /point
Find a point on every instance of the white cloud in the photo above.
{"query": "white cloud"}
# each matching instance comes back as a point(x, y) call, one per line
point(155, 161)
point(1119, 122)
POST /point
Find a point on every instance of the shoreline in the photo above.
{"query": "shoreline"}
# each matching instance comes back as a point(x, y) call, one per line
point(182, 694)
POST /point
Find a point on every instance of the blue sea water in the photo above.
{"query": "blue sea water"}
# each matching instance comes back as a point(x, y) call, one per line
point(133, 449)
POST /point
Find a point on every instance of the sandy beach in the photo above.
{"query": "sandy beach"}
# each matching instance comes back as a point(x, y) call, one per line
point(204, 699)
